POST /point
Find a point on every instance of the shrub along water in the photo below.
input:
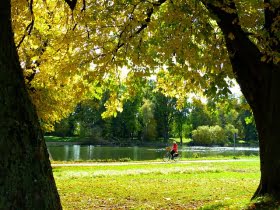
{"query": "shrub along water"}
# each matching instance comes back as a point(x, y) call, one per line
point(213, 135)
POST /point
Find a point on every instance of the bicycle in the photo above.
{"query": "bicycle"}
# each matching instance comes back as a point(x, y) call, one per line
point(168, 157)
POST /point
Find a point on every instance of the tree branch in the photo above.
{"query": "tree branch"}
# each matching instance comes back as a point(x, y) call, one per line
point(271, 13)
point(30, 25)
point(84, 6)
point(71, 4)
point(244, 55)
point(144, 25)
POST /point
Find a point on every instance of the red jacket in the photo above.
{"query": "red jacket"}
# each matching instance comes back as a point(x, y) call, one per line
point(175, 147)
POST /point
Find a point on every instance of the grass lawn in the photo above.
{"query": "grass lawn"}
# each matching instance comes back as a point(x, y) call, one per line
point(191, 185)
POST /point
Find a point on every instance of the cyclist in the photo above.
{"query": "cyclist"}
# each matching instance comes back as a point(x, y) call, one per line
point(174, 151)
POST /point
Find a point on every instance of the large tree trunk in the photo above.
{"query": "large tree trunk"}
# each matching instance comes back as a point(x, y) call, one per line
point(267, 122)
point(26, 177)
point(260, 84)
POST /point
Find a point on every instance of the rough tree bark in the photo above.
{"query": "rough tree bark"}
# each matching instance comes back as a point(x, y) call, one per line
point(259, 82)
point(26, 179)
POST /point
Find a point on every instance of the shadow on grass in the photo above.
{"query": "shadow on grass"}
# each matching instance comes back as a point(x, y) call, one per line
point(214, 207)
point(264, 203)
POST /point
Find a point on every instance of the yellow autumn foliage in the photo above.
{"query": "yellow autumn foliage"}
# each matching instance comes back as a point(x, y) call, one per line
point(74, 55)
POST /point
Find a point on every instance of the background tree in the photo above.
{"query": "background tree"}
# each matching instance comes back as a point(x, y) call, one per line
point(88, 116)
point(126, 125)
point(200, 115)
point(180, 122)
point(248, 122)
point(148, 121)
point(225, 113)
point(164, 113)
point(234, 112)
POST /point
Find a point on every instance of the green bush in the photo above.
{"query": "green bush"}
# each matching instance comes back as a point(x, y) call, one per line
point(209, 135)
point(202, 135)
point(218, 135)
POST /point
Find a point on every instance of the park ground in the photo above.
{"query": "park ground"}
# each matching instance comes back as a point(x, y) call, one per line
point(191, 184)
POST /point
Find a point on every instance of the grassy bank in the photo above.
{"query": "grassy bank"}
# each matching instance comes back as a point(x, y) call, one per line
point(190, 158)
point(61, 139)
point(191, 185)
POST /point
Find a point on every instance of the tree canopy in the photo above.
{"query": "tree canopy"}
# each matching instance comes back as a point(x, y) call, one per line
point(69, 53)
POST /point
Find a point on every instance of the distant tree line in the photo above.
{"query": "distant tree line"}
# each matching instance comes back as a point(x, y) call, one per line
point(153, 117)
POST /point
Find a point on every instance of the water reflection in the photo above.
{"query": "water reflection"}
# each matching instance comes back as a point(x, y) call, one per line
point(90, 152)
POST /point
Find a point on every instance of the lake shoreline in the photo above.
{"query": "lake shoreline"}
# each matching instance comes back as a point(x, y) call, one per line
point(114, 142)
point(67, 152)
point(143, 144)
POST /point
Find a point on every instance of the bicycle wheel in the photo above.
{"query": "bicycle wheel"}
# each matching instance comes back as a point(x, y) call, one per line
point(167, 157)
point(177, 158)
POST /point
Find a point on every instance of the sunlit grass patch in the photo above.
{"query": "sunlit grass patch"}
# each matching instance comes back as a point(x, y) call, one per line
point(184, 186)
point(166, 171)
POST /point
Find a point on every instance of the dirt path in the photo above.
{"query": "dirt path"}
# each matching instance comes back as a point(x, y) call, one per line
point(149, 162)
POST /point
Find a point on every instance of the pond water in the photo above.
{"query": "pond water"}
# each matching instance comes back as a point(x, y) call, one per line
point(90, 152)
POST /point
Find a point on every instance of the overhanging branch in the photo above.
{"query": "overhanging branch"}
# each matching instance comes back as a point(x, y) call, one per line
point(84, 5)
point(30, 25)
point(71, 4)
point(244, 55)
point(271, 14)
point(149, 13)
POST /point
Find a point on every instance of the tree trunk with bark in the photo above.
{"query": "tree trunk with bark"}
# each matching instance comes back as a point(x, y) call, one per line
point(26, 177)
point(260, 83)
